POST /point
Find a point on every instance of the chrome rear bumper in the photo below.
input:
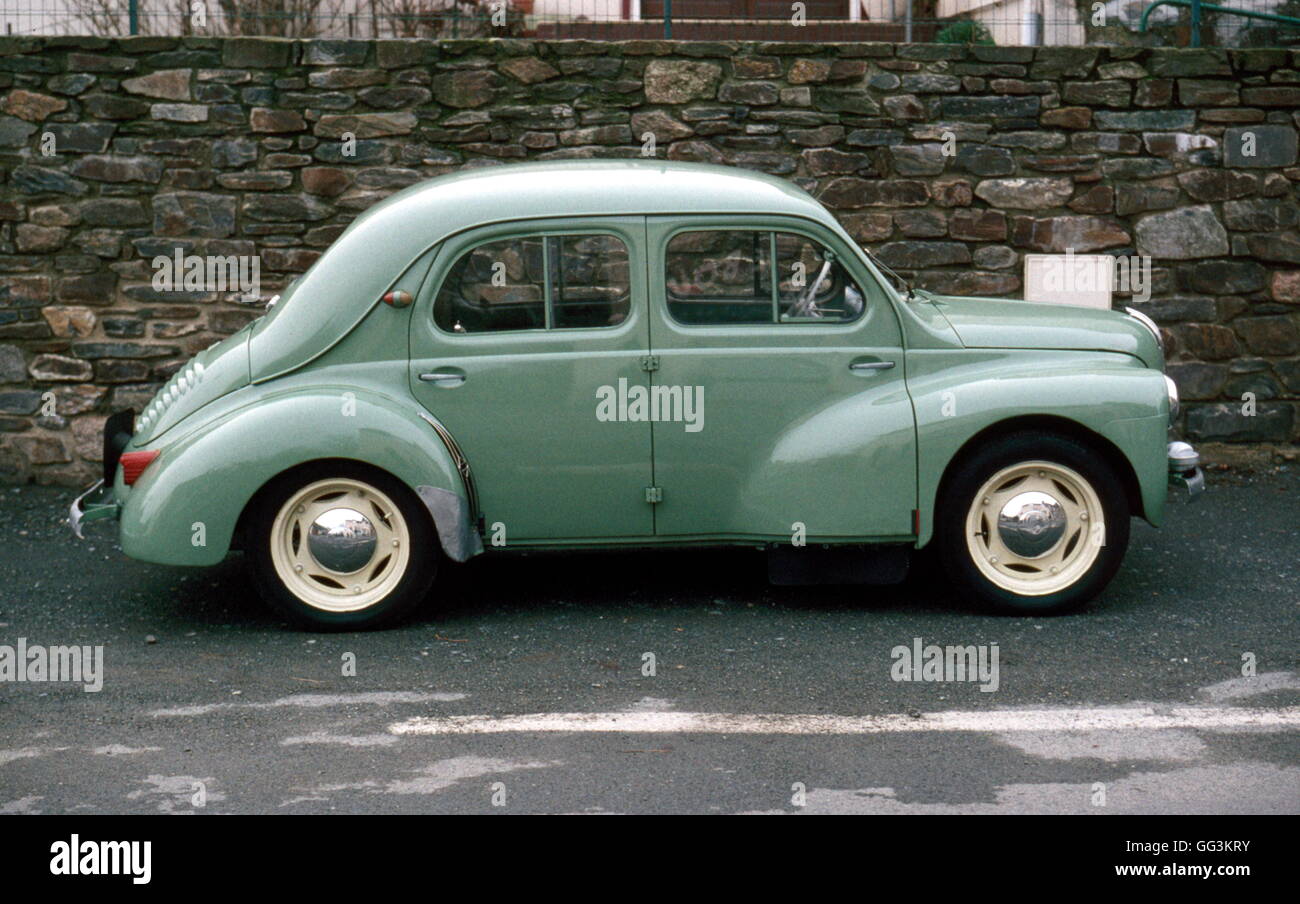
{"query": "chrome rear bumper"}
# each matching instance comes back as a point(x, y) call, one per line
point(81, 511)
point(1185, 470)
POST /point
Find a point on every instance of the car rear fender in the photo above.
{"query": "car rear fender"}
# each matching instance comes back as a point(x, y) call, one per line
point(184, 508)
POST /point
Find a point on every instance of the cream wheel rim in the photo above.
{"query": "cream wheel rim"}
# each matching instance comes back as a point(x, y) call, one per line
point(340, 545)
point(1035, 528)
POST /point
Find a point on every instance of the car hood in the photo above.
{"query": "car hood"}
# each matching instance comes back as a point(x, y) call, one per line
point(1007, 323)
point(212, 373)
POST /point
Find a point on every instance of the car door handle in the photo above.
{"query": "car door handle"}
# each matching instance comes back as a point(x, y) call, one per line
point(443, 379)
point(861, 366)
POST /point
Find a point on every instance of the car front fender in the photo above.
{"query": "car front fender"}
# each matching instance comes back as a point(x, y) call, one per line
point(959, 395)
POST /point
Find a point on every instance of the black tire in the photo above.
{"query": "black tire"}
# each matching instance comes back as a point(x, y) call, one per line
point(973, 472)
point(410, 588)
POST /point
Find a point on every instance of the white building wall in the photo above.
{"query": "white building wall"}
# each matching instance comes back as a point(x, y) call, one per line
point(32, 17)
point(1008, 21)
point(594, 10)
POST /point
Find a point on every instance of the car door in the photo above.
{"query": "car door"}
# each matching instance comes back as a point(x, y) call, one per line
point(520, 333)
point(804, 425)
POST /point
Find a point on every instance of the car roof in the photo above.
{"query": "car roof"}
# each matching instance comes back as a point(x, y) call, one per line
point(587, 187)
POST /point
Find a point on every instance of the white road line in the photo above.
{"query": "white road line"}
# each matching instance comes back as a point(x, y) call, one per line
point(1210, 718)
point(316, 701)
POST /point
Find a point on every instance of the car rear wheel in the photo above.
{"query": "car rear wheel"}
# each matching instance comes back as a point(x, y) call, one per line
point(1033, 524)
point(341, 547)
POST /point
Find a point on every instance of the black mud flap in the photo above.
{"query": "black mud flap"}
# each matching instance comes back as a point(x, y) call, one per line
point(791, 566)
point(117, 433)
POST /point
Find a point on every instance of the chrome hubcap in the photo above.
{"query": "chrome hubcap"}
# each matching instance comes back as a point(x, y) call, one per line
point(340, 545)
point(342, 540)
point(1035, 528)
point(1030, 524)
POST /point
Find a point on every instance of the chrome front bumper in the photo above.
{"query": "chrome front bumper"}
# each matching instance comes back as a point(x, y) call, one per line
point(1185, 470)
point(82, 511)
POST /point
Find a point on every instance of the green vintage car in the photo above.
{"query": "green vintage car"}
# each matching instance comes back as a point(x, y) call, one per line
point(591, 354)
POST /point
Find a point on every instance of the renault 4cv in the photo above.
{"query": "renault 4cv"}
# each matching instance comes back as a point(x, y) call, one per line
point(619, 353)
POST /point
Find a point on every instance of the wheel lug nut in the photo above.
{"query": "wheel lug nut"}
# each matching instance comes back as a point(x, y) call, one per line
point(297, 568)
point(993, 560)
point(1083, 516)
point(356, 589)
point(397, 542)
point(1053, 569)
point(986, 500)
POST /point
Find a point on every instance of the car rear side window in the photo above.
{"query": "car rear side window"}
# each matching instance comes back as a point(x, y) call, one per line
point(535, 283)
point(721, 277)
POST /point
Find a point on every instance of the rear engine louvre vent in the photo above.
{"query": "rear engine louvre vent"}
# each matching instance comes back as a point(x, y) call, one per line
point(181, 382)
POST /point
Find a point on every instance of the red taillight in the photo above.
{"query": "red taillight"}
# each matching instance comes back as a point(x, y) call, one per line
point(134, 463)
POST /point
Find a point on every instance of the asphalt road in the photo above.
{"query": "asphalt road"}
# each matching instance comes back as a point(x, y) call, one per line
point(211, 705)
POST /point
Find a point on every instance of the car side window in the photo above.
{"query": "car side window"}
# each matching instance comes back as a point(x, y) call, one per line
point(535, 283)
point(723, 277)
point(719, 276)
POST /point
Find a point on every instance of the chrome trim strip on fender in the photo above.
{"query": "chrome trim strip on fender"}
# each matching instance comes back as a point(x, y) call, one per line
point(458, 457)
point(1148, 323)
point(455, 518)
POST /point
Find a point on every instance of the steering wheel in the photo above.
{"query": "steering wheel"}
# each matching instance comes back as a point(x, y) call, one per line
point(805, 307)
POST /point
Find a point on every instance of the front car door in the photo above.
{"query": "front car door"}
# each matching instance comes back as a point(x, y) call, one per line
point(804, 424)
point(521, 331)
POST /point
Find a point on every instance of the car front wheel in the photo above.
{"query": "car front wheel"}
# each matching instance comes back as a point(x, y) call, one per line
point(1033, 524)
point(342, 547)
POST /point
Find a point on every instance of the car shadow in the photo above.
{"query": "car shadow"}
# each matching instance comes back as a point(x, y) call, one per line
point(668, 578)
point(553, 581)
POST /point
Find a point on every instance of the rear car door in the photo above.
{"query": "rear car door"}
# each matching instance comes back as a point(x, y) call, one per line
point(520, 332)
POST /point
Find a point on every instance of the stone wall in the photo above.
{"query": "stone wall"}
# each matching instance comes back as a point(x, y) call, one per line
point(233, 146)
